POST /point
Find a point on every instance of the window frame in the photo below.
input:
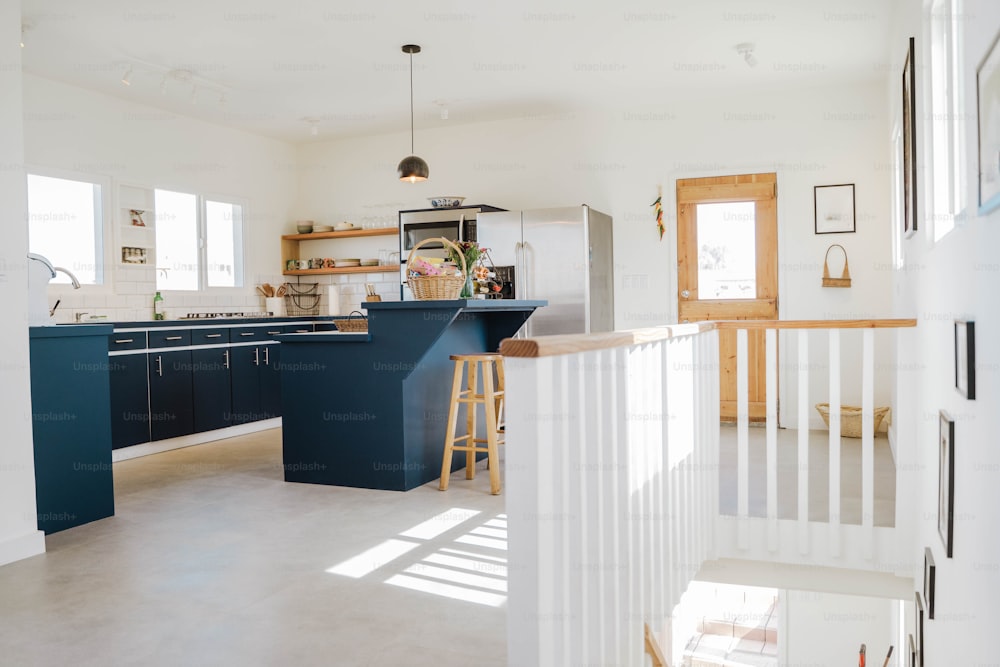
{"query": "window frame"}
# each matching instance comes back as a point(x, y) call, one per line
point(104, 255)
point(239, 250)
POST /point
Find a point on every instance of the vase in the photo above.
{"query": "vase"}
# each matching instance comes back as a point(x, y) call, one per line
point(467, 292)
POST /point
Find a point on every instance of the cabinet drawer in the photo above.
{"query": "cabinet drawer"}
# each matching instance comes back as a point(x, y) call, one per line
point(169, 338)
point(246, 334)
point(298, 328)
point(131, 340)
point(209, 336)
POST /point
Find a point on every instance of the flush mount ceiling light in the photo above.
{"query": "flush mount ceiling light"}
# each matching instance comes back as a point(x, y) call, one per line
point(746, 50)
point(313, 125)
point(412, 168)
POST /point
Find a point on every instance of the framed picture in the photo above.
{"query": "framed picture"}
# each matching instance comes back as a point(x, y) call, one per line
point(909, 145)
point(988, 108)
point(930, 574)
point(911, 652)
point(833, 206)
point(918, 620)
point(946, 482)
point(965, 358)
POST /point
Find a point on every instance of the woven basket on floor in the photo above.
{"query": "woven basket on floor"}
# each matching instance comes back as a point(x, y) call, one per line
point(436, 287)
point(850, 418)
point(359, 325)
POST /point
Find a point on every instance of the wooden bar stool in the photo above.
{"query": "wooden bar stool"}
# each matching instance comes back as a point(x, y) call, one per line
point(492, 400)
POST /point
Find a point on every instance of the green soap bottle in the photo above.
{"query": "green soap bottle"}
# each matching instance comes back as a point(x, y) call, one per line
point(158, 309)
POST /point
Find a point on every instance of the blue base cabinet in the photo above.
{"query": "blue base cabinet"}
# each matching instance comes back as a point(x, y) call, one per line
point(171, 406)
point(71, 420)
point(211, 393)
point(129, 400)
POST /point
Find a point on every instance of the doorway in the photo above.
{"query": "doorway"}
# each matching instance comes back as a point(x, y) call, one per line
point(727, 269)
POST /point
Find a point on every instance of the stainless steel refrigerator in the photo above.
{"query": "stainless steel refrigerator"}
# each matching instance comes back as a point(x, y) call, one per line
point(562, 255)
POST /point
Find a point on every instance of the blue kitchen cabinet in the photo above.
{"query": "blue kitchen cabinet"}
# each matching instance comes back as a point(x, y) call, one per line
point(129, 399)
point(270, 381)
point(211, 389)
point(171, 403)
point(245, 367)
point(71, 425)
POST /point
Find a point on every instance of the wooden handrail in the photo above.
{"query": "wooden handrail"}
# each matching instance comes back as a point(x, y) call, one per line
point(816, 324)
point(549, 346)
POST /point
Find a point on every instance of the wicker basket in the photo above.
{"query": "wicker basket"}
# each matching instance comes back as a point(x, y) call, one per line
point(850, 418)
point(426, 288)
point(359, 325)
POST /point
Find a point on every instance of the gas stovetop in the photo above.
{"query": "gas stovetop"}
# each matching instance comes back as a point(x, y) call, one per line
point(216, 316)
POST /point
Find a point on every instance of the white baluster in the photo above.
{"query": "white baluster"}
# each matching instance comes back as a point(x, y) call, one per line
point(803, 449)
point(742, 439)
point(835, 519)
point(868, 441)
point(771, 394)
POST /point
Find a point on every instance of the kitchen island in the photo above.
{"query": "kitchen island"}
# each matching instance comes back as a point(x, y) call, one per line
point(370, 409)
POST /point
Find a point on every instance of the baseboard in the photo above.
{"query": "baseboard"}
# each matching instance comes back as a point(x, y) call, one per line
point(23, 546)
point(147, 448)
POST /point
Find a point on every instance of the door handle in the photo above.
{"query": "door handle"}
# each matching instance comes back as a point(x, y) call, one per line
point(225, 355)
point(159, 365)
point(213, 335)
point(267, 356)
point(256, 356)
point(685, 293)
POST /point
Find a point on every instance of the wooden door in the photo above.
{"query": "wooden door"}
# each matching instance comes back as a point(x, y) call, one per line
point(727, 269)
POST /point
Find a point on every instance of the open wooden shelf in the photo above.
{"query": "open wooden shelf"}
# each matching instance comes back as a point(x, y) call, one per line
point(315, 236)
point(346, 269)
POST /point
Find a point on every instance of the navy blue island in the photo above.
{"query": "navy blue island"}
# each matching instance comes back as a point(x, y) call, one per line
point(370, 409)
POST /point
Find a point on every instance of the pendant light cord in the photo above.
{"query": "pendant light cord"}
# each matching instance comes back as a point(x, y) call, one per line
point(411, 103)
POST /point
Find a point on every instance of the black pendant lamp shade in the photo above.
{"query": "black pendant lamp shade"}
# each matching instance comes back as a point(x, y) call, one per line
point(412, 168)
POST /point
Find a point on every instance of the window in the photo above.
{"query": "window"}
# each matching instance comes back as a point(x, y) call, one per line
point(947, 126)
point(199, 242)
point(66, 225)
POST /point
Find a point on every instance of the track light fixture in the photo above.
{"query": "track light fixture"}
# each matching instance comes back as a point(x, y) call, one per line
point(128, 75)
point(412, 168)
point(746, 50)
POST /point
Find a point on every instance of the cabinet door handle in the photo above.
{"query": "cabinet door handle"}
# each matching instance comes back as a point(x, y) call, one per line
point(159, 365)
point(267, 356)
point(213, 335)
point(273, 333)
point(124, 340)
point(256, 356)
point(248, 333)
point(173, 337)
point(225, 355)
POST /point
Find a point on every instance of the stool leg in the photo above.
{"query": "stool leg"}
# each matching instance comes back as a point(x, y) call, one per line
point(501, 403)
point(470, 422)
point(449, 438)
point(489, 407)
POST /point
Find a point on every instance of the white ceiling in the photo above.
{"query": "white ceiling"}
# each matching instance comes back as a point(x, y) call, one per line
point(264, 66)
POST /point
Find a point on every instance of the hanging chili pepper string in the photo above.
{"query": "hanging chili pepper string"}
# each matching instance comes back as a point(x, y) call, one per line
point(658, 207)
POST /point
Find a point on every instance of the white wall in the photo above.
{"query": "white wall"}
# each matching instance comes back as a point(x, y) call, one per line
point(82, 131)
point(955, 278)
point(19, 534)
point(827, 630)
point(616, 160)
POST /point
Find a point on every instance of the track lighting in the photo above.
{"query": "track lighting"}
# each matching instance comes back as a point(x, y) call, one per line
point(128, 75)
point(412, 168)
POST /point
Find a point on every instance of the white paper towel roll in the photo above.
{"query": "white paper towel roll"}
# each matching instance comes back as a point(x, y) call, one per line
point(333, 299)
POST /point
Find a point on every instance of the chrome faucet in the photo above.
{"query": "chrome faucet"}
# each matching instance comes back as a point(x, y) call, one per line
point(72, 278)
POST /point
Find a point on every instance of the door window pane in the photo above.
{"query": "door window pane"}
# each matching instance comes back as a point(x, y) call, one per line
point(223, 229)
point(727, 251)
point(176, 241)
point(65, 225)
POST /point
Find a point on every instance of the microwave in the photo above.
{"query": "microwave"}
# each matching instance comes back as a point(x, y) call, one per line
point(455, 224)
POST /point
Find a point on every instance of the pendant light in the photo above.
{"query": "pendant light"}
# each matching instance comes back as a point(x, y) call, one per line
point(412, 168)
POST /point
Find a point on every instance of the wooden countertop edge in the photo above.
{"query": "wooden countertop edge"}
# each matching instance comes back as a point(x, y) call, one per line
point(548, 346)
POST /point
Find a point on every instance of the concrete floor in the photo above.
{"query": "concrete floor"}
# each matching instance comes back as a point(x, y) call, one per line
point(212, 559)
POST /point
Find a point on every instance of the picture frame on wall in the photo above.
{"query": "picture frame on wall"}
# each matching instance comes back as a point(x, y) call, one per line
point(930, 577)
point(911, 651)
point(988, 112)
point(833, 207)
point(918, 622)
point(909, 144)
point(946, 482)
point(965, 358)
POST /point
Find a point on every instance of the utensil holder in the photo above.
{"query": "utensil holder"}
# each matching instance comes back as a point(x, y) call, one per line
point(275, 305)
point(845, 279)
point(373, 297)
